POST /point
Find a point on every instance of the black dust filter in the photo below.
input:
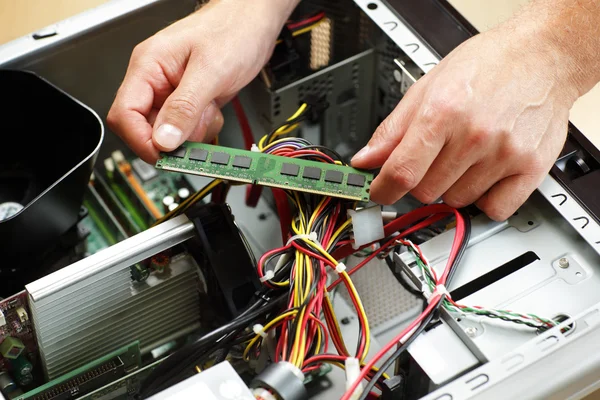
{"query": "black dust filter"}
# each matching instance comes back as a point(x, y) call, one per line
point(48, 146)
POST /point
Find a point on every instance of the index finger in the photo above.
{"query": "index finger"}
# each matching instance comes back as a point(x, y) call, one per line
point(128, 116)
point(407, 164)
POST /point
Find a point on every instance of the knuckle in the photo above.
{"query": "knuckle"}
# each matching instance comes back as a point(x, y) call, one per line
point(537, 165)
point(403, 176)
point(509, 149)
point(140, 50)
point(498, 212)
point(384, 131)
point(183, 107)
point(455, 200)
point(443, 107)
point(424, 195)
point(479, 136)
point(112, 118)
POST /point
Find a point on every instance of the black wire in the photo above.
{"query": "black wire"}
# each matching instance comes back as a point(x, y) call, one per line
point(179, 361)
point(398, 275)
point(392, 359)
point(335, 154)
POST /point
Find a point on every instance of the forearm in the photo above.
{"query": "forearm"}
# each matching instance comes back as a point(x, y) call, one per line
point(269, 14)
point(568, 33)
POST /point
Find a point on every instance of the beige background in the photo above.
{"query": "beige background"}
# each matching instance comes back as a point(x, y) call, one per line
point(20, 17)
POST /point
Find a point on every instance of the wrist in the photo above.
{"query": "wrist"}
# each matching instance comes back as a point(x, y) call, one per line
point(561, 38)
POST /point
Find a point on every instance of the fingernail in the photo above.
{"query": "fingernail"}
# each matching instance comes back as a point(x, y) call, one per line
point(363, 152)
point(168, 136)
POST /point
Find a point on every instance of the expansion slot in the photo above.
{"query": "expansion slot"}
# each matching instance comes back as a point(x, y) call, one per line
point(126, 171)
point(90, 377)
point(98, 211)
point(268, 170)
point(119, 211)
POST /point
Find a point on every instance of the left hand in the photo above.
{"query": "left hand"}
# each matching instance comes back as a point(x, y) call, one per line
point(483, 127)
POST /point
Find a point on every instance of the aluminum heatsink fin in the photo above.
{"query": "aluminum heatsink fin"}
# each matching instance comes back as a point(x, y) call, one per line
point(107, 310)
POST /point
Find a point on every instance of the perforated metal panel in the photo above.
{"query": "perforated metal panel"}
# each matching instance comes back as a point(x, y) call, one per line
point(382, 296)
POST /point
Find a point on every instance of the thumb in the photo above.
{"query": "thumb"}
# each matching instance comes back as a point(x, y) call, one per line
point(190, 109)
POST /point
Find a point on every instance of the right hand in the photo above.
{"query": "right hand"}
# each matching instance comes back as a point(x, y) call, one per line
point(178, 79)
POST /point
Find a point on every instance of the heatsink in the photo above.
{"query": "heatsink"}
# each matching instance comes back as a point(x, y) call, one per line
point(85, 311)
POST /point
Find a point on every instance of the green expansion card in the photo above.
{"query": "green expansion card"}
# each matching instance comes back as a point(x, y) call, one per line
point(90, 377)
point(268, 170)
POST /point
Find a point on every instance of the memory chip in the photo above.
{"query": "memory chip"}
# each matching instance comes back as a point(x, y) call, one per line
point(242, 162)
point(334, 176)
point(220, 158)
point(312, 173)
point(198, 154)
point(179, 153)
point(290, 169)
point(356, 180)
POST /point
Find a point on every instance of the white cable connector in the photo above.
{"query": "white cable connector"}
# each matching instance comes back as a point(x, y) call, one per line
point(439, 290)
point(341, 267)
point(259, 330)
point(367, 226)
point(311, 236)
point(352, 374)
point(270, 274)
point(254, 148)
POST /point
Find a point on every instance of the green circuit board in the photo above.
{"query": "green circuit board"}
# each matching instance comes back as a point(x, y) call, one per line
point(268, 170)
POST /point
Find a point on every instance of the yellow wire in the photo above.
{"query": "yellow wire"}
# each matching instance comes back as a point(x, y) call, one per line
point(329, 305)
point(284, 129)
point(338, 232)
point(266, 329)
point(304, 30)
point(189, 201)
point(198, 369)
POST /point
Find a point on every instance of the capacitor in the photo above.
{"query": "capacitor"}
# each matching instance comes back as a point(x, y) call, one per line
point(173, 206)
point(7, 384)
point(167, 201)
point(183, 194)
point(22, 369)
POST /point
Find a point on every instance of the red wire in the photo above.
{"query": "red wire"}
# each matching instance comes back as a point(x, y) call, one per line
point(311, 153)
point(400, 223)
point(365, 371)
point(294, 25)
point(284, 212)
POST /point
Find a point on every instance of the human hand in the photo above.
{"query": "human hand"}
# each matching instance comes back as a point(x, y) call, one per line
point(483, 127)
point(178, 79)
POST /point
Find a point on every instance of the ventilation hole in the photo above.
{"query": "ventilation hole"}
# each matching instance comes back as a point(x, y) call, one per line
point(530, 223)
point(276, 113)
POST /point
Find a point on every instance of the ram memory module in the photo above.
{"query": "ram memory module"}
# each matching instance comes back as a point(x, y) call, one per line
point(268, 170)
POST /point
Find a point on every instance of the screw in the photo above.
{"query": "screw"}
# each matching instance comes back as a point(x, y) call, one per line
point(471, 331)
point(563, 263)
point(397, 75)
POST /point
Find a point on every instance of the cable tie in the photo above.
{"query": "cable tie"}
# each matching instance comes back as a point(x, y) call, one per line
point(341, 267)
point(259, 330)
point(268, 276)
point(254, 148)
point(439, 290)
point(311, 236)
